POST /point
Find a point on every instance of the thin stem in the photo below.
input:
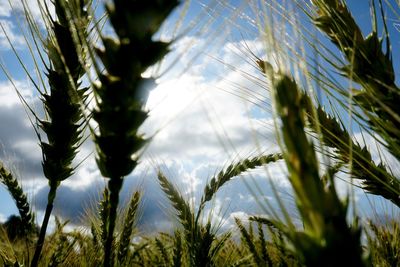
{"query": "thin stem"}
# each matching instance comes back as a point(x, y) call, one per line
point(40, 242)
point(114, 186)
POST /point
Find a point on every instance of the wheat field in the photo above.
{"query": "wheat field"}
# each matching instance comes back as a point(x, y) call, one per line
point(300, 97)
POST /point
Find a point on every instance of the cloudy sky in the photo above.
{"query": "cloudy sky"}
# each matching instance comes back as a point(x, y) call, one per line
point(210, 108)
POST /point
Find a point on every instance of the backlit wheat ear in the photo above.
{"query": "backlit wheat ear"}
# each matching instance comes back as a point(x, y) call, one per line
point(368, 65)
point(62, 247)
point(375, 178)
point(180, 205)
point(21, 201)
point(128, 227)
point(200, 239)
point(122, 92)
point(263, 246)
point(63, 125)
point(384, 242)
point(177, 250)
point(324, 215)
point(162, 251)
point(232, 171)
point(248, 240)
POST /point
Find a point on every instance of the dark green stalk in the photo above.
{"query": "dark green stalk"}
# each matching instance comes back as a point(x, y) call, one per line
point(103, 215)
point(42, 234)
point(114, 186)
point(177, 251)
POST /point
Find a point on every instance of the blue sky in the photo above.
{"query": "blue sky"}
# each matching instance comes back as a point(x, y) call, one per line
point(205, 112)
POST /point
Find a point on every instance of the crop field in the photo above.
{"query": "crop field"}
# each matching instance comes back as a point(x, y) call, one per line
point(200, 133)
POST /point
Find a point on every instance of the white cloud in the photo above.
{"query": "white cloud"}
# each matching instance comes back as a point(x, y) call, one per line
point(6, 10)
point(3, 218)
point(198, 118)
point(85, 176)
point(9, 33)
point(12, 19)
point(241, 215)
point(8, 95)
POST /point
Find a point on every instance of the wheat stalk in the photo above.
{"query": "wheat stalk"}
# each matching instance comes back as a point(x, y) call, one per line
point(63, 246)
point(384, 242)
point(162, 250)
point(180, 205)
point(375, 178)
point(263, 245)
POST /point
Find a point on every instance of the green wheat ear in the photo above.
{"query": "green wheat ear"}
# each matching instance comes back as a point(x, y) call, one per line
point(122, 93)
point(248, 240)
point(327, 239)
point(234, 170)
point(21, 201)
point(128, 227)
point(200, 239)
point(375, 178)
point(368, 65)
point(62, 104)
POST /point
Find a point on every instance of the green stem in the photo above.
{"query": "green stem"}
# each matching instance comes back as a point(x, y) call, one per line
point(114, 185)
point(49, 208)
